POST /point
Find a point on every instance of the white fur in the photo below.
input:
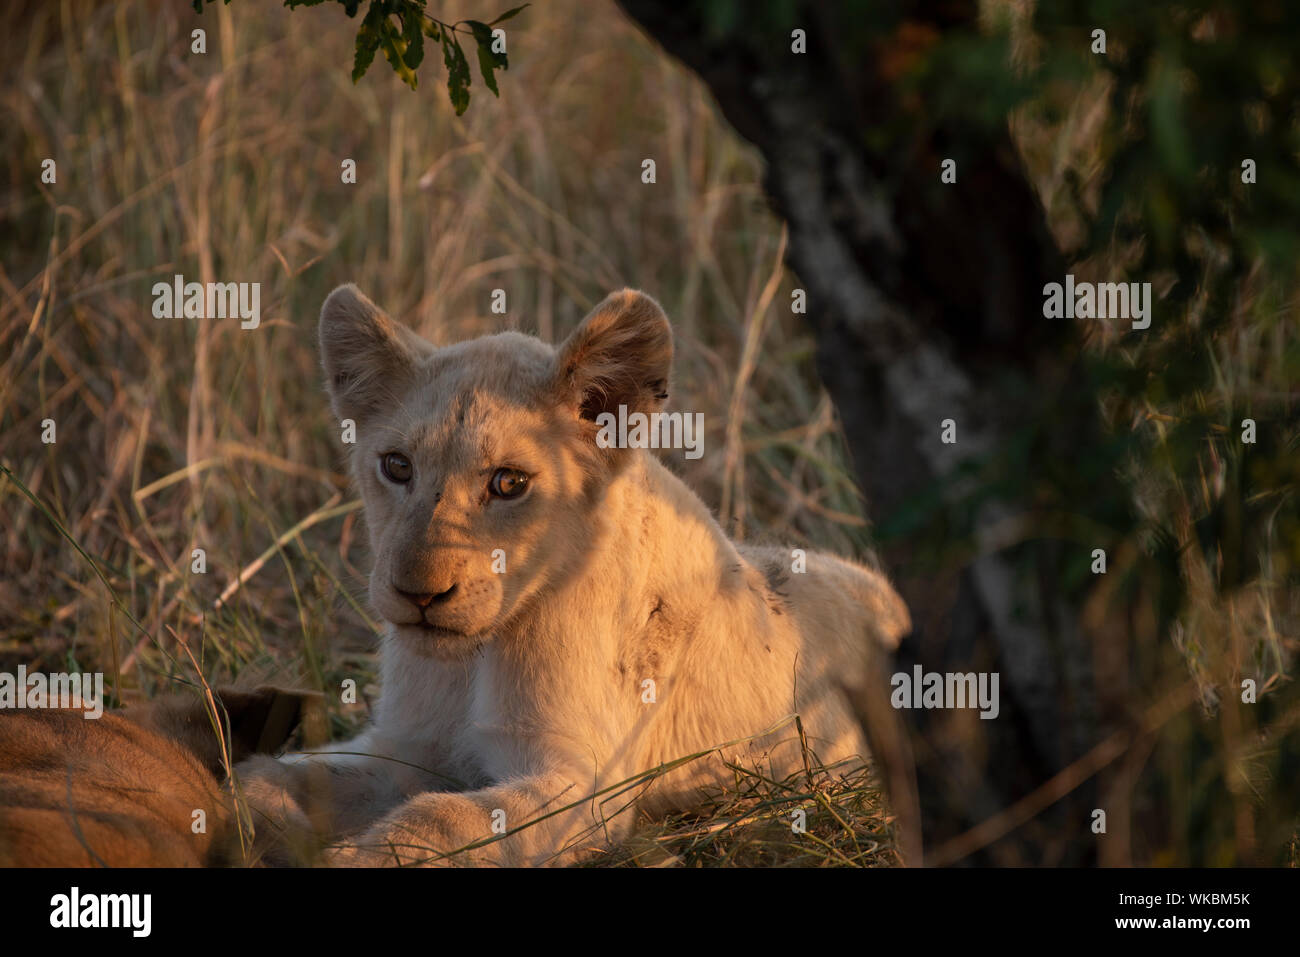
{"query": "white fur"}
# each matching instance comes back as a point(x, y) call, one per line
point(621, 574)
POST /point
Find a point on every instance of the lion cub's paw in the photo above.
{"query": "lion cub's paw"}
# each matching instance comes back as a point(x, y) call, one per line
point(284, 835)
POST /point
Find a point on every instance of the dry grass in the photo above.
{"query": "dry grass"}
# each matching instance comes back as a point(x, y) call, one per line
point(841, 811)
point(181, 434)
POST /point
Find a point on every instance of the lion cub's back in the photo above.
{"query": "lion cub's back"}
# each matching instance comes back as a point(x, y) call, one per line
point(831, 616)
point(847, 608)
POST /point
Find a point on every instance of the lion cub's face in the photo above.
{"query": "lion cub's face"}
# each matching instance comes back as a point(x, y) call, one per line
point(477, 462)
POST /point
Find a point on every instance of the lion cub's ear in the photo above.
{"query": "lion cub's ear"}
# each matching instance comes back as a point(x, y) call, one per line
point(621, 354)
point(367, 356)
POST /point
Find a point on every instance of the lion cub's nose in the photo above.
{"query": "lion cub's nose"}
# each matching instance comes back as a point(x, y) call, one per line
point(425, 599)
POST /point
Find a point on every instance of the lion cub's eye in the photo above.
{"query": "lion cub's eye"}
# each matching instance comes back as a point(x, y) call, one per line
point(396, 467)
point(508, 483)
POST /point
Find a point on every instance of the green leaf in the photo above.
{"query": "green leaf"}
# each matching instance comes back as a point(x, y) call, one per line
point(508, 14)
point(486, 64)
point(368, 40)
point(457, 73)
point(393, 51)
point(483, 37)
point(413, 34)
point(488, 61)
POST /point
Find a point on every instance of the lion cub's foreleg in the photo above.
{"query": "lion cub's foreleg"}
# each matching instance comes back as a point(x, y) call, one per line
point(300, 801)
point(541, 820)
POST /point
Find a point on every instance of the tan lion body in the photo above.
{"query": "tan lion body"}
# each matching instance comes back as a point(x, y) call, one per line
point(122, 790)
point(626, 630)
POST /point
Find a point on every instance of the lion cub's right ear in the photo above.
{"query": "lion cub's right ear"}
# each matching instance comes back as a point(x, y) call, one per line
point(367, 356)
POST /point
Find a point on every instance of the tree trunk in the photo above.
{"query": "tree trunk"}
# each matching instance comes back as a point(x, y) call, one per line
point(926, 300)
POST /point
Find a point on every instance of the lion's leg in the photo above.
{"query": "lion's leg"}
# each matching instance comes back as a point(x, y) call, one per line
point(300, 800)
point(546, 819)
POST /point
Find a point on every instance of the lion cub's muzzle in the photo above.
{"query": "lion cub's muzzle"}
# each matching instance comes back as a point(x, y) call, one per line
point(465, 607)
point(435, 610)
point(423, 600)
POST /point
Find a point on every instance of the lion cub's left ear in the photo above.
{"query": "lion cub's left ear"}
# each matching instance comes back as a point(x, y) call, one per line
point(621, 354)
point(367, 356)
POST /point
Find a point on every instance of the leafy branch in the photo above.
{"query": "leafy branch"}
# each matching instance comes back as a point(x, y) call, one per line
point(400, 27)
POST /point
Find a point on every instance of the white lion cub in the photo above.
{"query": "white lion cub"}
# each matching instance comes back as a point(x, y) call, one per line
point(561, 617)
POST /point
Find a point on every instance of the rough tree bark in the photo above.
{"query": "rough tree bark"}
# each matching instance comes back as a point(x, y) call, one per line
point(926, 302)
